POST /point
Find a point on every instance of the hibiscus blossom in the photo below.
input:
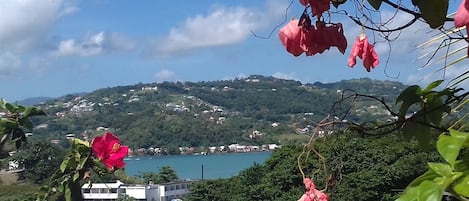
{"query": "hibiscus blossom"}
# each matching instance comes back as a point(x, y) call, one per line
point(461, 18)
point(109, 150)
point(365, 51)
point(312, 194)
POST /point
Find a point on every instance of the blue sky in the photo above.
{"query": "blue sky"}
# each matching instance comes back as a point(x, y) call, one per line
point(56, 47)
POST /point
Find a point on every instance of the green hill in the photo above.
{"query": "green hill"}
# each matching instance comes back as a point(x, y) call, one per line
point(254, 110)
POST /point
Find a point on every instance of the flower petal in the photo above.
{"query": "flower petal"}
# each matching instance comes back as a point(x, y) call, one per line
point(461, 18)
point(290, 36)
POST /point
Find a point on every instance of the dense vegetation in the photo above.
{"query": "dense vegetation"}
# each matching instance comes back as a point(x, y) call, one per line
point(358, 168)
point(216, 113)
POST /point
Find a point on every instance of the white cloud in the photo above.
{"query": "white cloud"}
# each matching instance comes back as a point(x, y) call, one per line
point(94, 44)
point(222, 26)
point(23, 23)
point(91, 45)
point(165, 75)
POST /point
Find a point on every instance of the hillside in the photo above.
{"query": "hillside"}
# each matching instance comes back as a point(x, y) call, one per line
point(254, 110)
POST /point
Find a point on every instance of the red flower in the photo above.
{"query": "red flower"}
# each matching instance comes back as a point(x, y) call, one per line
point(461, 18)
point(317, 6)
point(290, 36)
point(330, 35)
point(300, 36)
point(109, 150)
point(365, 51)
point(312, 194)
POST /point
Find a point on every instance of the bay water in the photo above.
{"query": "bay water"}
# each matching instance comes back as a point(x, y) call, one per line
point(211, 166)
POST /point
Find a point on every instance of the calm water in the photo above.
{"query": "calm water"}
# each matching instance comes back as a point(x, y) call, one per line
point(190, 167)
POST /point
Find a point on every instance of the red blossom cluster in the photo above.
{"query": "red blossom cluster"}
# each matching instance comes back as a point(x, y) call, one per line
point(461, 18)
point(109, 150)
point(312, 194)
point(301, 36)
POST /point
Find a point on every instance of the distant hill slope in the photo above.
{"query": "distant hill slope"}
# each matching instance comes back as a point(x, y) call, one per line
point(34, 101)
point(253, 110)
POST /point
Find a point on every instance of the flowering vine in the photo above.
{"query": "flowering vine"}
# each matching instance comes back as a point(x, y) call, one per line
point(104, 154)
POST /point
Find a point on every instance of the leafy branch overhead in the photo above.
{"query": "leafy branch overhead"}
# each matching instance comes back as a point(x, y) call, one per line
point(431, 104)
point(15, 122)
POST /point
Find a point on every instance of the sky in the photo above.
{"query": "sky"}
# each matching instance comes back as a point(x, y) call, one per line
point(56, 47)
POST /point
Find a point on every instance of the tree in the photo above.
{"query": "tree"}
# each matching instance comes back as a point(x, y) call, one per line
point(40, 159)
point(165, 174)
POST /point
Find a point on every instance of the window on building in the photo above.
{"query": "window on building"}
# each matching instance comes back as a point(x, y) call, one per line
point(95, 190)
point(113, 190)
point(85, 190)
point(123, 190)
point(104, 190)
point(178, 187)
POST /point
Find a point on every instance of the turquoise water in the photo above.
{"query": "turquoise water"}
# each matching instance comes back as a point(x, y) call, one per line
point(190, 167)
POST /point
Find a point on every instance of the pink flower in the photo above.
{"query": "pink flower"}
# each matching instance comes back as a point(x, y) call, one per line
point(290, 36)
point(461, 18)
point(109, 150)
point(312, 194)
point(365, 51)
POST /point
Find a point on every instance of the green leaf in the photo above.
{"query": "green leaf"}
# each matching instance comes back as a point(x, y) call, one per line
point(434, 12)
point(7, 123)
point(450, 146)
point(2, 104)
point(33, 111)
point(64, 164)
point(441, 169)
point(430, 191)
point(461, 186)
point(68, 193)
point(60, 187)
point(76, 176)
point(409, 96)
point(432, 85)
point(418, 188)
point(11, 108)
point(421, 132)
point(428, 175)
point(82, 162)
point(410, 194)
point(433, 108)
point(77, 141)
point(375, 3)
point(25, 122)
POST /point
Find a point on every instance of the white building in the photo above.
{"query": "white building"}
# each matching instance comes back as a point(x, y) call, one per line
point(151, 192)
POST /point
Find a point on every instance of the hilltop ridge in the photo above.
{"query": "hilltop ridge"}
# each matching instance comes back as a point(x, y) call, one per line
point(254, 110)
